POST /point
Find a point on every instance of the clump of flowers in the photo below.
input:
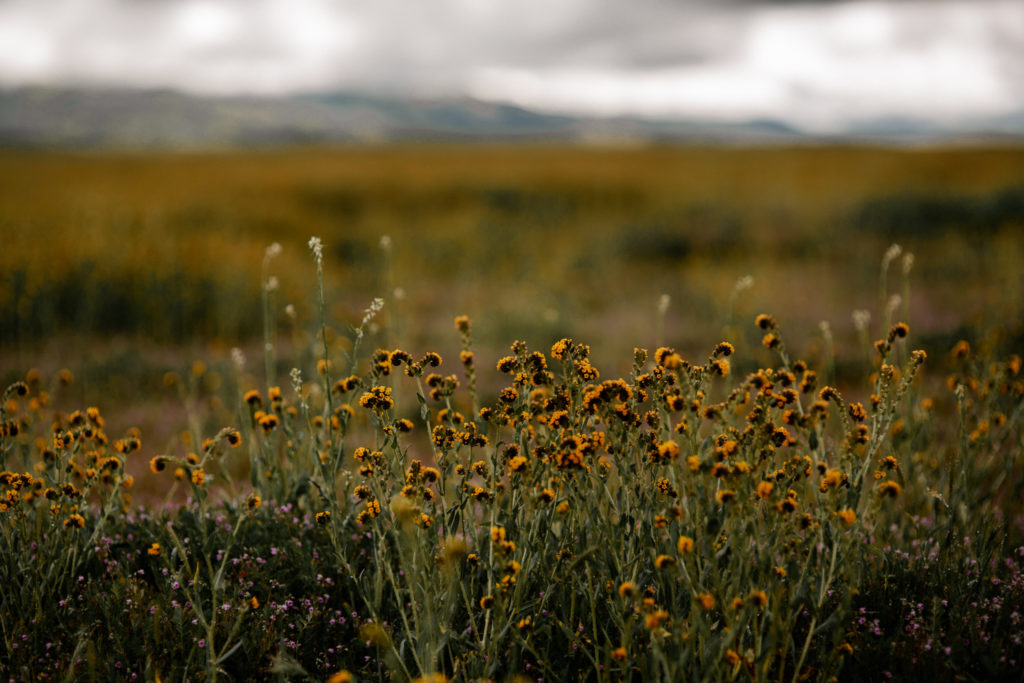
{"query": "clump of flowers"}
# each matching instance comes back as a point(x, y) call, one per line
point(772, 520)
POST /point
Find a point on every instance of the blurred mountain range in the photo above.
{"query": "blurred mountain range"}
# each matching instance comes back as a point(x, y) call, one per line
point(121, 118)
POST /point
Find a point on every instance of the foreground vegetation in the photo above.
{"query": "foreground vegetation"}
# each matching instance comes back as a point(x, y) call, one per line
point(386, 516)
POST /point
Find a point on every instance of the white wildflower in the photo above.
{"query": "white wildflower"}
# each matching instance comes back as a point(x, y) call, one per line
point(894, 302)
point(745, 282)
point(892, 253)
point(318, 249)
point(373, 310)
point(861, 320)
point(908, 263)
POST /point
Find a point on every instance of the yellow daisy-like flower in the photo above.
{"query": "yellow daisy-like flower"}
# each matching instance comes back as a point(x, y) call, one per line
point(667, 358)
point(560, 348)
point(378, 398)
point(889, 488)
point(268, 422)
point(684, 545)
point(656, 619)
point(664, 561)
point(724, 349)
point(668, 450)
point(786, 505)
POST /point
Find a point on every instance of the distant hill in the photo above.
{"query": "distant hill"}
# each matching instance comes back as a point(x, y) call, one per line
point(31, 117)
point(91, 118)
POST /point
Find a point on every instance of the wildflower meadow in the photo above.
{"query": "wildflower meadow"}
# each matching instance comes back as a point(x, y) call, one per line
point(391, 514)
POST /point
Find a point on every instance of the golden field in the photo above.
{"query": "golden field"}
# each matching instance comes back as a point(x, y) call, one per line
point(707, 414)
point(125, 266)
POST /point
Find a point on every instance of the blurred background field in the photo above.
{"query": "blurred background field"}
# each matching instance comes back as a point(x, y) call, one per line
point(127, 266)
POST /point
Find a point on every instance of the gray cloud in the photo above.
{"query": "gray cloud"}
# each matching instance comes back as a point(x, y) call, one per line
point(816, 60)
point(441, 45)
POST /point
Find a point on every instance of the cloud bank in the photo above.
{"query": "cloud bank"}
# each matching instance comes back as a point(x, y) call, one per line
point(816, 64)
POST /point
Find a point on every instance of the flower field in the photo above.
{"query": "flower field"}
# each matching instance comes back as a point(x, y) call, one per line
point(374, 517)
point(712, 485)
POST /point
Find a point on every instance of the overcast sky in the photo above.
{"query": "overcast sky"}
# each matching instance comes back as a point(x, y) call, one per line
point(816, 64)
